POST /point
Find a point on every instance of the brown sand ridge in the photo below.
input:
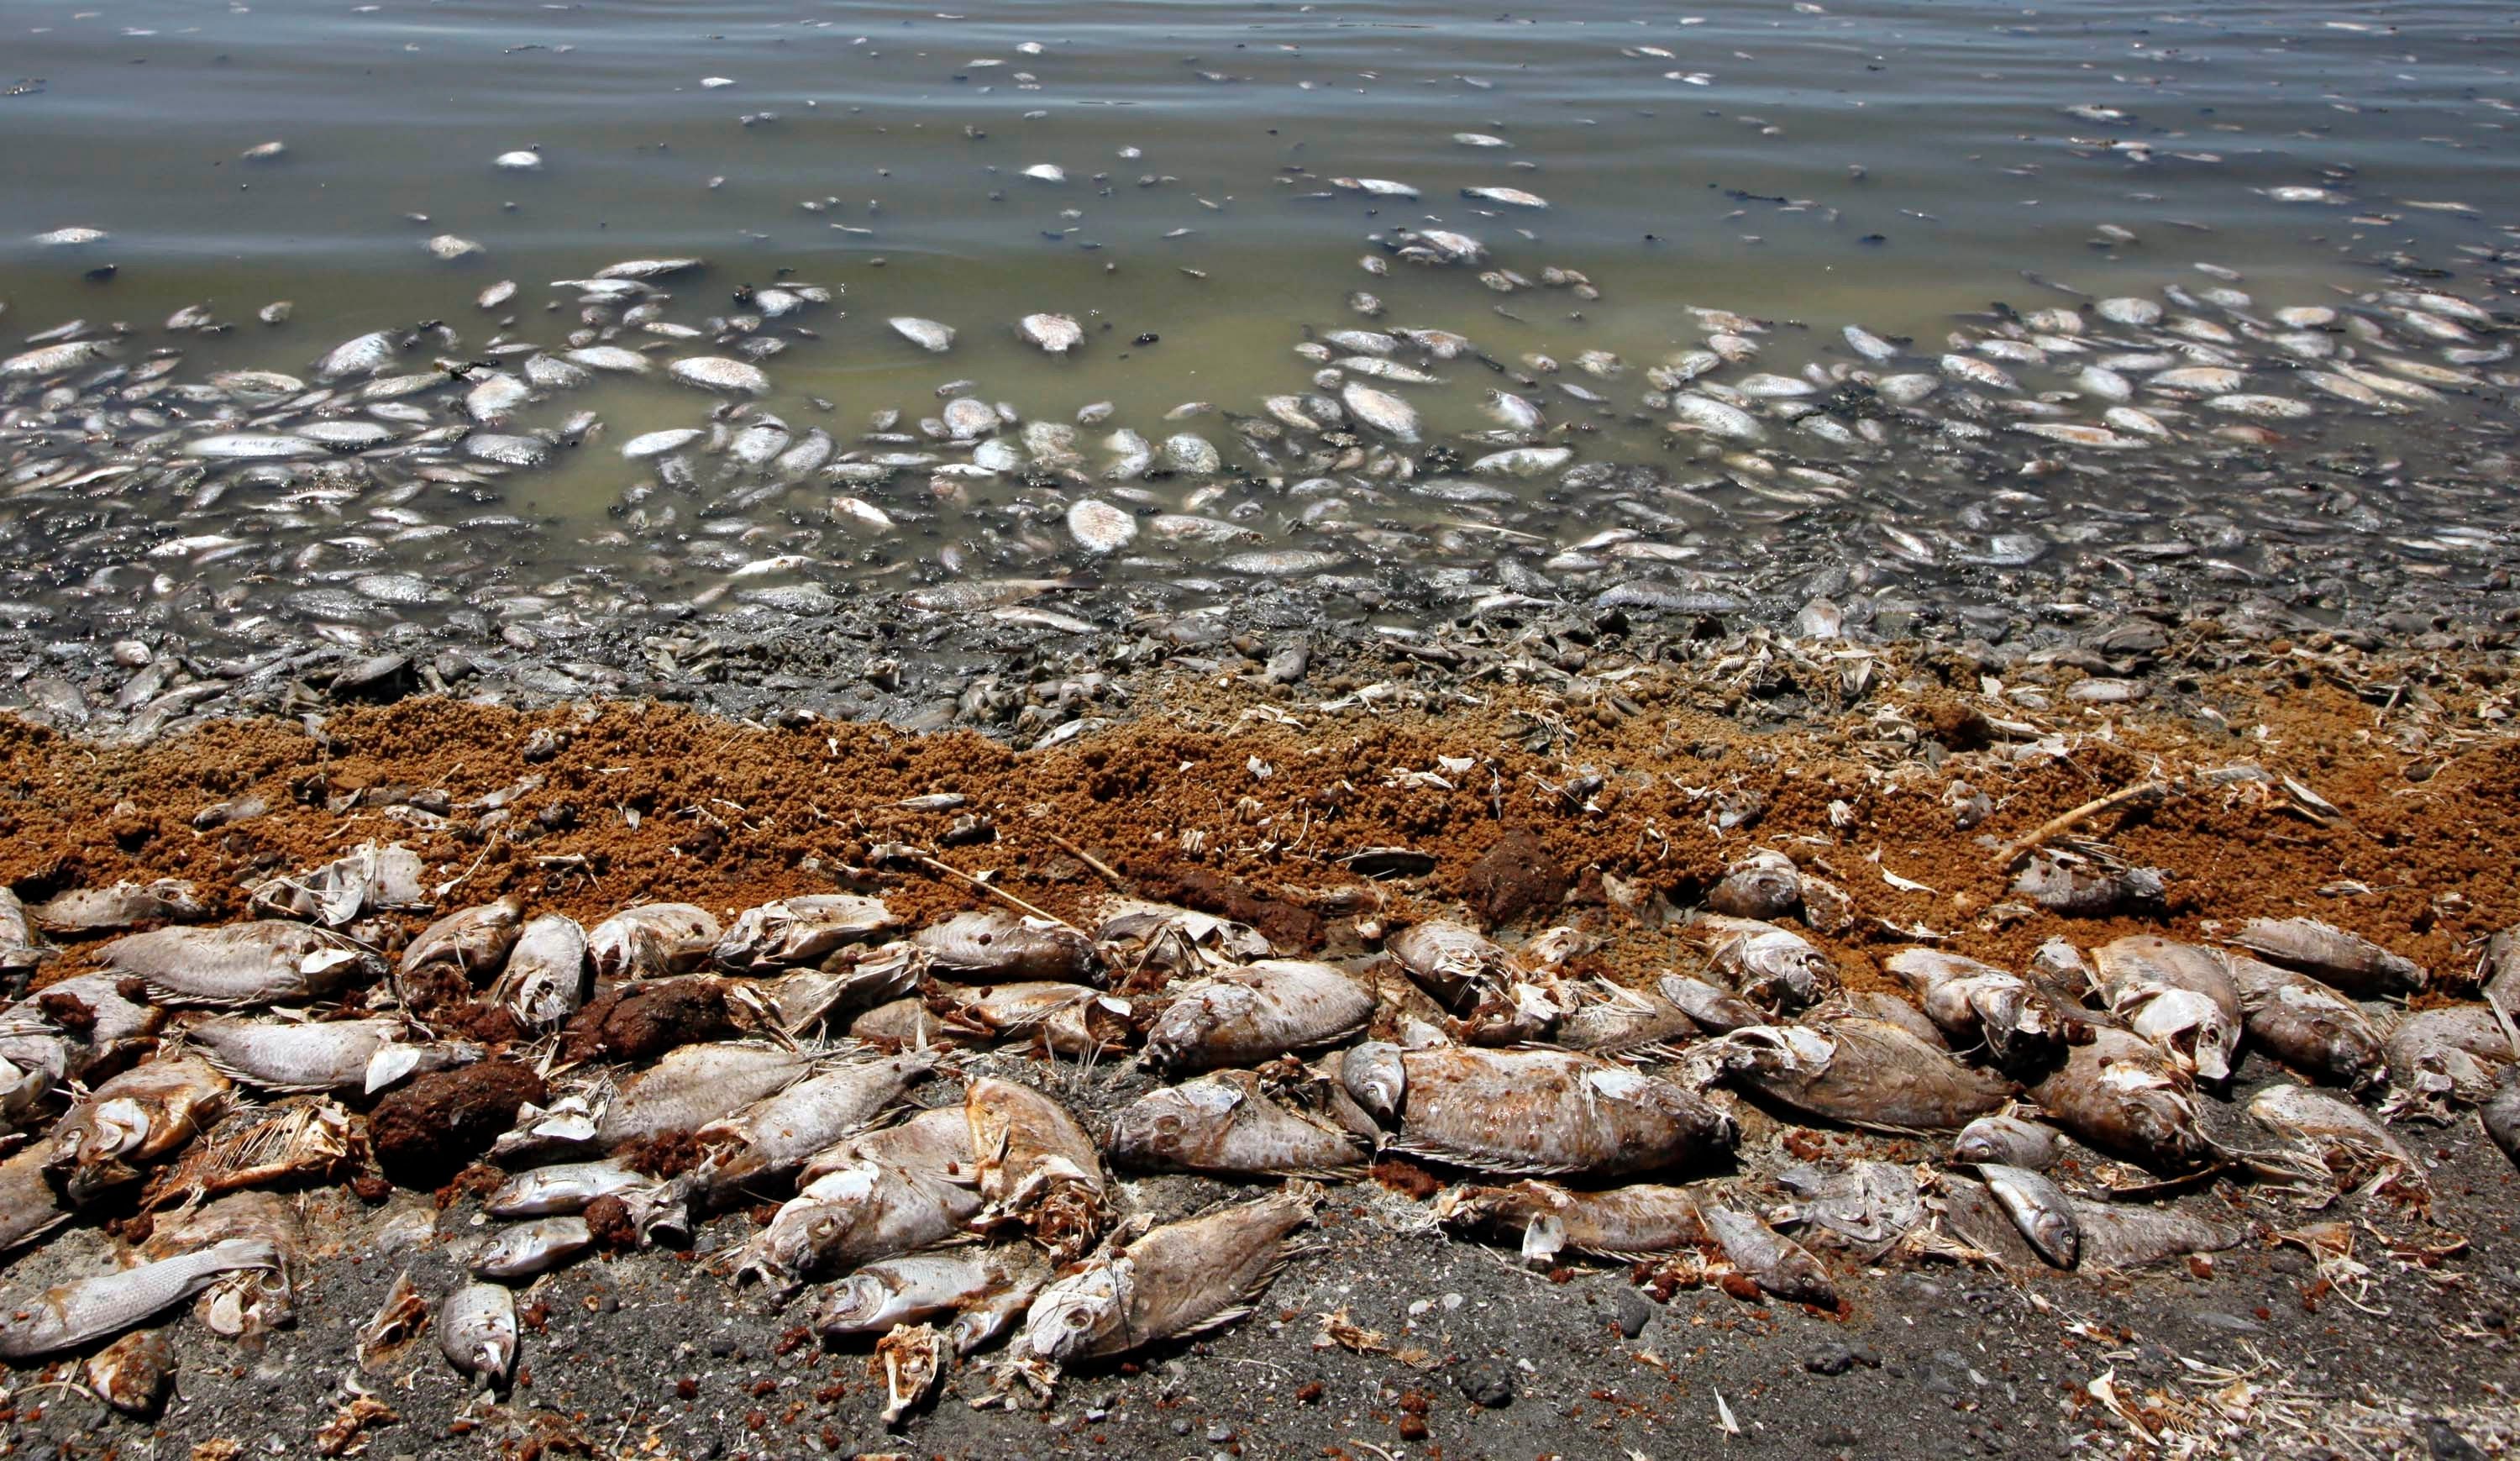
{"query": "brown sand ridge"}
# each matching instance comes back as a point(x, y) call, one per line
point(1569, 809)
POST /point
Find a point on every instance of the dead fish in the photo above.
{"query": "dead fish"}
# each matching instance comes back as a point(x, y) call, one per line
point(1624, 1224)
point(1076, 1021)
point(849, 980)
point(1777, 1263)
point(693, 1085)
point(800, 930)
point(134, 1122)
point(545, 981)
point(2351, 963)
point(1035, 1166)
point(469, 943)
point(567, 1188)
point(531, 1248)
point(1862, 1073)
point(2178, 995)
point(990, 946)
point(1453, 962)
point(1382, 411)
point(1866, 1206)
point(2008, 1140)
point(477, 1332)
point(333, 1056)
point(1763, 887)
point(1610, 1019)
point(2121, 1093)
point(2499, 1114)
point(1182, 1279)
point(90, 910)
point(2306, 1024)
point(1145, 935)
point(2341, 1143)
point(240, 964)
point(1536, 1113)
point(2449, 1054)
point(777, 1135)
point(716, 373)
point(1055, 333)
point(652, 939)
point(29, 1206)
point(1263, 1010)
point(2116, 1236)
point(928, 334)
point(1719, 1010)
point(133, 1373)
point(68, 1315)
point(921, 1286)
point(2078, 885)
point(1230, 1123)
point(2039, 1207)
point(1768, 965)
point(859, 1212)
point(19, 948)
point(369, 879)
point(1973, 1003)
point(1890, 1008)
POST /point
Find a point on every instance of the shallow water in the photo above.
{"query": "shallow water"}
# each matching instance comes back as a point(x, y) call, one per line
point(1892, 165)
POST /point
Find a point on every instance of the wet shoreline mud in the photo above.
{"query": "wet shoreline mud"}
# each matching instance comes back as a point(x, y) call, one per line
point(1593, 794)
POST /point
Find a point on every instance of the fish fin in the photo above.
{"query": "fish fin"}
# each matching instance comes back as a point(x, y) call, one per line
point(1436, 1151)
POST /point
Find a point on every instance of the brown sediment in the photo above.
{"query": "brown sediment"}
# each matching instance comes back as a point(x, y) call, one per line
point(667, 1153)
point(2413, 753)
point(643, 1021)
point(436, 1126)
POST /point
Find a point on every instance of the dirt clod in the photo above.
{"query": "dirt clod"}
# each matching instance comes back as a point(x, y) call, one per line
point(431, 1128)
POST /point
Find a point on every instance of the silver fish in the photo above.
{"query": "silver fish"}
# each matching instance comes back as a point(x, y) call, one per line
point(2350, 962)
point(1258, 1012)
point(1973, 1002)
point(693, 1085)
point(477, 1332)
point(1230, 1123)
point(333, 1056)
point(778, 1134)
point(469, 943)
point(2453, 1053)
point(2306, 1024)
point(89, 910)
point(1181, 1279)
point(545, 981)
point(1035, 1166)
point(651, 941)
point(800, 930)
point(1536, 1113)
point(1770, 966)
point(1625, 1224)
point(2178, 995)
point(1777, 1263)
point(1862, 1073)
point(135, 1122)
point(858, 1212)
point(2121, 1093)
point(2043, 1211)
point(2008, 1140)
point(1717, 1009)
point(990, 945)
point(567, 1188)
point(261, 962)
point(531, 1248)
point(2116, 1236)
point(68, 1315)
point(2341, 1143)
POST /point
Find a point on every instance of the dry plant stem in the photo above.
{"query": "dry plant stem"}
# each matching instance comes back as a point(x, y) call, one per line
point(938, 866)
point(2055, 827)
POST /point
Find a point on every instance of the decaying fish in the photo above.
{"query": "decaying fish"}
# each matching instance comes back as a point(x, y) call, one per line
point(68, 1315)
point(2499, 1114)
point(2114, 1236)
point(317, 1141)
point(1227, 1122)
point(1862, 1073)
point(922, 1286)
point(1239, 1017)
point(652, 939)
point(20, 950)
point(1612, 1020)
point(1536, 1113)
point(1890, 1008)
point(1070, 1020)
point(545, 981)
point(777, 1135)
point(1764, 886)
point(801, 930)
point(2343, 1145)
point(469, 943)
point(2008, 1139)
point(1777, 1263)
point(858, 1211)
point(2453, 1053)
point(135, 1122)
point(1772, 967)
point(991, 945)
point(2350, 962)
point(848, 981)
point(397, 1321)
point(2178, 995)
point(369, 879)
point(1139, 935)
point(133, 1373)
point(1181, 1279)
point(1035, 1166)
point(29, 1208)
point(1974, 1003)
point(2120, 1093)
point(2306, 1024)
point(2086, 884)
point(95, 910)
point(1624, 1224)
point(912, 1356)
point(564, 1188)
point(1716, 1008)
point(530, 1248)
point(2039, 1208)
point(693, 1085)
point(1864, 1205)
point(477, 1332)
point(290, 1059)
point(240, 964)
point(1453, 962)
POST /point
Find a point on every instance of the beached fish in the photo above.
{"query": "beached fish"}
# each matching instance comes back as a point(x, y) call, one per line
point(531, 1248)
point(2009, 1140)
point(1712, 1007)
point(1382, 411)
point(91, 910)
point(71, 1314)
point(693, 1085)
point(801, 930)
point(2124, 1095)
point(2178, 995)
point(2039, 1208)
point(713, 373)
point(1230, 1123)
point(1612, 1020)
point(1766, 964)
point(2453, 1053)
point(1056, 334)
point(2339, 1142)
point(2116, 1236)
point(139, 1119)
point(778, 1134)
point(331, 1056)
point(1536, 1113)
point(477, 1332)
point(2498, 1114)
point(1975, 1003)
point(562, 1189)
point(649, 940)
point(1777, 1263)
point(989, 945)
point(922, 1286)
point(1632, 1223)
point(1258, 1012)
point(2350, 962)
point(859, 1212)
point(1862, 1073)
point(2306, 1024)
point(545, 981)
point(1181, 1279)
point(1035, 1166)
point(236, 965)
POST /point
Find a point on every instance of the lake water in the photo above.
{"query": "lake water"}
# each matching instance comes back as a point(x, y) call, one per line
point(1914, 169)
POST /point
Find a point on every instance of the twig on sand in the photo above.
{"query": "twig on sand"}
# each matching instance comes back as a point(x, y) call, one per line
point(2055, 827)
point(1096, 865)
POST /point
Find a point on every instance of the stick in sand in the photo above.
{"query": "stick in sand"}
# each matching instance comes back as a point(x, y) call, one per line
point(2058, 826)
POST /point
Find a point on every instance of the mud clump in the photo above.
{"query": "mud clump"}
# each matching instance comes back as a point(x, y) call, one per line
point(641, 1021)
point(1287, 925)
point(432, 1128)
point(610, 1224)
point(1515, 878)
point(664, 1155)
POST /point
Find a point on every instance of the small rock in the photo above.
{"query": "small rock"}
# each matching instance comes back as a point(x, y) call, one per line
point(1486, 1382)
point(2447, 1444)
point(1832, 1358)
point(1634, 1309)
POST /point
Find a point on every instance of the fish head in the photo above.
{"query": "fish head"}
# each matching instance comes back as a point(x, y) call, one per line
point(860, 1303)
point(1074, 1314)
point(1376, 1078)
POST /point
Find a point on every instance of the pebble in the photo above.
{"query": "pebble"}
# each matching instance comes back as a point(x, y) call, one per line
point(1486, 1382)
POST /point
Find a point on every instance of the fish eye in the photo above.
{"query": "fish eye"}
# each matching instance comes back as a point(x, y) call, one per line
point(1076, 1318)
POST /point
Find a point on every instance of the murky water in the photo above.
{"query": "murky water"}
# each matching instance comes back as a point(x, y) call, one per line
point(1913, 169)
